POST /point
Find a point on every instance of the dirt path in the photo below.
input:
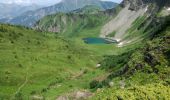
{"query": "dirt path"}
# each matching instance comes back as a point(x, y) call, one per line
point(22, 85)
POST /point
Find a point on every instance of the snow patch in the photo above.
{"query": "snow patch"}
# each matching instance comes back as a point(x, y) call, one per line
point(118, 40)
point(98, 65)
point(120, 44)
point(168, 9)
point(146, 9)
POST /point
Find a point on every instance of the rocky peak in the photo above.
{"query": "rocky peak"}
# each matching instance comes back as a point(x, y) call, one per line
point(137, 4)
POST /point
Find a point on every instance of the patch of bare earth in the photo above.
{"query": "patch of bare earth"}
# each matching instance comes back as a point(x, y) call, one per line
point(77, 95)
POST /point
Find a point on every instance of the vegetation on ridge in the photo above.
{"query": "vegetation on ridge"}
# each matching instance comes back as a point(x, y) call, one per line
point(145, 73)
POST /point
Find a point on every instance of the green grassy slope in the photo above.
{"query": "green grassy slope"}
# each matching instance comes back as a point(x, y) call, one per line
point(71, 24)
point(140, 74)
point(89, 9)
point(46, 65)
point(34, 63)
point(42, 64)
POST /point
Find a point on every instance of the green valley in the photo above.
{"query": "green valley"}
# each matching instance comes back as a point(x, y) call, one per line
point(45, 65)
point(120, 53)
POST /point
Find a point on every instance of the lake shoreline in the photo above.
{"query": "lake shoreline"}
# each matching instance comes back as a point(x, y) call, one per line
point(98, 40)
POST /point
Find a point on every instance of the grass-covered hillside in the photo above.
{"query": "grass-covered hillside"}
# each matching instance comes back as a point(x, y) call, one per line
point(70, 24)
point(83, 22)
point(44, 65)
point(54, 61)
point(89, 9)
point(39, 64)
point(143, 73)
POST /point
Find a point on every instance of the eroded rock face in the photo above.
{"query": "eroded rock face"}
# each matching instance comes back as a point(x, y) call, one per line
point(134, 4)
point(133, 9)
point(137, 4)
point(125, 16)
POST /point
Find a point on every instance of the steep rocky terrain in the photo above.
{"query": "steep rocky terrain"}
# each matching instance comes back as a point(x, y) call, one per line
point(131, 23)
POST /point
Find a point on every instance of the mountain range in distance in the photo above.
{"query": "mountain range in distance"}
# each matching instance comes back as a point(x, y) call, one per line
point(14, 10)
point(29, 18)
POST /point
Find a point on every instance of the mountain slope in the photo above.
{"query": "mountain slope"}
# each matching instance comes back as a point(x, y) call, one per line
point(74, 23)
point(140, 18)
point(140, 14)
point(29, 18)
point(144, 72)
point(89, 9)
point(36, 64)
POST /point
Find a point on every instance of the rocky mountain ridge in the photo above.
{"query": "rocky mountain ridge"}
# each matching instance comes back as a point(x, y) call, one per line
point(135, 20)
point(30, 18)
point(139, 16)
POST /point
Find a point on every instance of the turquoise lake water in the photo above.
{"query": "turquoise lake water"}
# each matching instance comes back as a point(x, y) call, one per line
point(98, 41)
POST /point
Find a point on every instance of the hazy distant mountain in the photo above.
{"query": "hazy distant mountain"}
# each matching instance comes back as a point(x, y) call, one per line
point(29, 18)
point(14, 10)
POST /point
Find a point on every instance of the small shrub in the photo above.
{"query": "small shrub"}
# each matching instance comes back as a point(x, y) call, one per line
point(38, 42)
point(85, 71)
point(70, 86)
point(20, 34)
point(19, 96)
point(69, 57)
point(12, 42)
point(7, 72)
point(28, 48)
point(33, 92)
point(16, 57)
point(94, 84)
point(44, 90)
point(28, 41)
point(1, 36)
point(20, 65)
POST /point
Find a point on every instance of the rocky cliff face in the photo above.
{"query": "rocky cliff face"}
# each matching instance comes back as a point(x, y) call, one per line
point(137, 17)
point(135, 20)
point(137, 4)
point(144, 2)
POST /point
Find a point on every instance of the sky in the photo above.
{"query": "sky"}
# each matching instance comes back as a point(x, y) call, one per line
point(41, 2)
